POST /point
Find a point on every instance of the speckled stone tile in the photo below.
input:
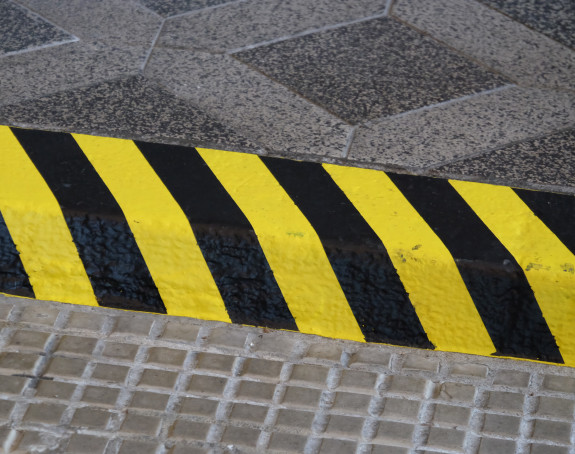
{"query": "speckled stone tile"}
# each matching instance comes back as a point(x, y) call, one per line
point(522, 54)
point(115, 40)
point(258, 108)
point(57, 68)
point(370, 69)
point(117, 22)
point(21, 30)
point(242, 24)
point(431, 137)
point(554, 18)
point(547, 160)
point(173, 7)
point(132, 108)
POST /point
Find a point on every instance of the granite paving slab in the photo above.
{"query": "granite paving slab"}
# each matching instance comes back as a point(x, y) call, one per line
point(246, 23)
point(259, 109)
point(370, 69)
point(34, 74)
point(510, 48)
point(546, 161)
point(21, 30)
point(434, 136)
point(130, 107)
point(181, 6)
point(555, 19)
point(116, 22)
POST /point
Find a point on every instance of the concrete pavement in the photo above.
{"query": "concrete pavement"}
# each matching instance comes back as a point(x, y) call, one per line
point(92, 380)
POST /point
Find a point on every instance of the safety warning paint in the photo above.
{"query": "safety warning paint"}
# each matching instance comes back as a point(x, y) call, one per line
point(337, 251)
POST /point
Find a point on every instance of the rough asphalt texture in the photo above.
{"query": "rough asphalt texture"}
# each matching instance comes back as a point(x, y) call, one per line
point(477, 90)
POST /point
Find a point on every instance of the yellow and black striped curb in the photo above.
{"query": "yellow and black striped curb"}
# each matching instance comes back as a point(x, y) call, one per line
point(337, 251)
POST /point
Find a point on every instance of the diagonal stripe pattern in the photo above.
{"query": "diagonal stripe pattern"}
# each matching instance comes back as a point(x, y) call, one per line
point(445, 308)
point(548, 264)
point(300, 268)
point(38, 229)
point(341, 252)
point(180, 273)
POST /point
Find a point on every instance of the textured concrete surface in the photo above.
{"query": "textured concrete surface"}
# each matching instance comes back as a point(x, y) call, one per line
point(175, 7)
point(78, 379)
point(401, 85)
point(377, 81)
point(256, 106)
point(510, 48)
point(106, 21)
point(126, 107)
point(465, 127)
point(548, 159)
point(251, 23)
point(556, 20)
point(25, 31)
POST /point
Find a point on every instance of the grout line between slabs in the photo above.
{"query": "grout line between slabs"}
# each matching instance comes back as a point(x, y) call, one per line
point(349, 142)
point(306, 32)
point(455, 50)
point(73, 39)
point(153, 45)
point(147, 8)
point(388, 7)
point(439, 104)
point(37, 15)
point(527, 26)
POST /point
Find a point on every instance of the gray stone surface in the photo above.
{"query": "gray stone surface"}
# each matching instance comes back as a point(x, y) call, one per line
point(247, 23)
point(510, 48)
point(291, 113)
point(34, 74)
point(22, 30)
point(115, 40)
point(370, 69)
point(128, 107)
point(267, 399)
point(114, 22)
point(256, 106)
point(555, 19)
point(430, 137)
point(547, 161)
point(174, 7)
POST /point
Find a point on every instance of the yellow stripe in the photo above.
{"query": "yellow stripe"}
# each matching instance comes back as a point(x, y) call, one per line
point(425, 266)
point(547, 263)
point(160, 228)
point(38, 228)
point(291, 246)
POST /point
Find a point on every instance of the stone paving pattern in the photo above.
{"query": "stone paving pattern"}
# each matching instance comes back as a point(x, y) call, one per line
point(479, 90)
point(91, 380)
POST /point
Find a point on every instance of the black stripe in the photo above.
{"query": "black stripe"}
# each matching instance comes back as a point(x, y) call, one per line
point(557, 211)
point(105, 243)
point(361, 263)
point(13, 277)
point(226, 239)
point(500, 292)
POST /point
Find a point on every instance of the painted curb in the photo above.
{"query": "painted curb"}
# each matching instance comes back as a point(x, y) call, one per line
point(336, 251)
